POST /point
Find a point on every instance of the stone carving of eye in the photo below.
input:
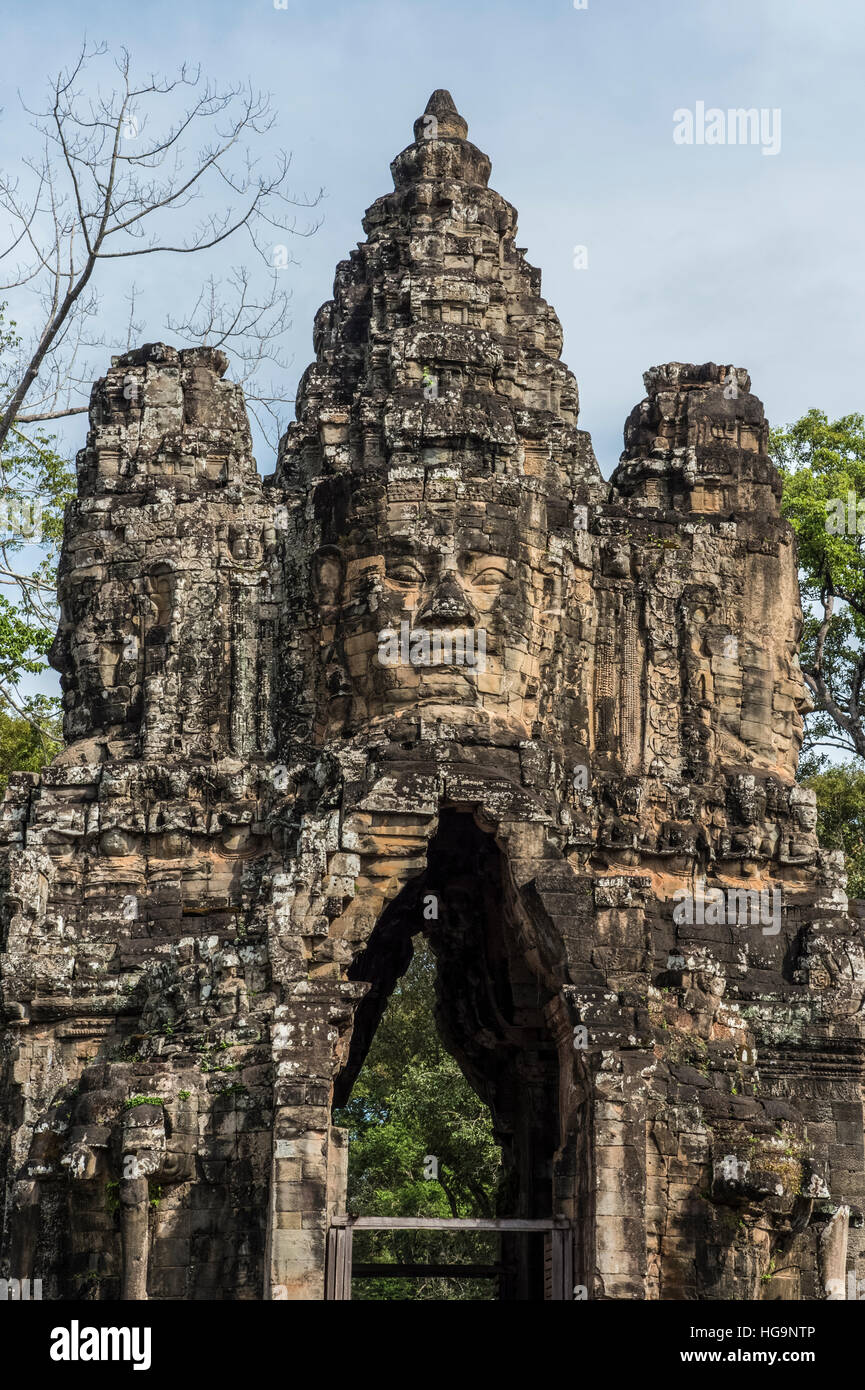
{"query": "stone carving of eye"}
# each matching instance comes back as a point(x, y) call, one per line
point(490, 578)
point(406, 574)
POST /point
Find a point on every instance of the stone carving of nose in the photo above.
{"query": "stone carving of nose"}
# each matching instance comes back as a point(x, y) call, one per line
point(449, 604)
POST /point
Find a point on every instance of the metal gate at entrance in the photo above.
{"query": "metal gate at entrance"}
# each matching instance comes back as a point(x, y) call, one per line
point(558, 1251)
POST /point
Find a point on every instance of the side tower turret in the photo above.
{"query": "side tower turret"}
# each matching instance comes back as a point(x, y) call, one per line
point(166, 577)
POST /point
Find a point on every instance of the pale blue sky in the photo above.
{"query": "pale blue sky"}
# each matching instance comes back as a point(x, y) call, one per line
point(695, 253)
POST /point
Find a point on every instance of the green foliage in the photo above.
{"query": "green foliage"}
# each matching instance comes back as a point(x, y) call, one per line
point(822, 464)
point(822, 461)
point(841, 818)
point(132, 1101)
point(34, 477)
point(24, 748)
point(411, 1100)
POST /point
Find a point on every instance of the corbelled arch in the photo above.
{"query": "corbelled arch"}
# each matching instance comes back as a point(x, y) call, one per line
point(502, 1011)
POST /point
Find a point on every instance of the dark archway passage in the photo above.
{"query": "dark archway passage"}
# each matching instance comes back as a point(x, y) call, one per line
point(492, 1012)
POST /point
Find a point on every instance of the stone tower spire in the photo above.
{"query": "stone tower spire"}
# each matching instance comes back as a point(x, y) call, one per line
point(167, 540)
point(437, 343)
point(441, 117)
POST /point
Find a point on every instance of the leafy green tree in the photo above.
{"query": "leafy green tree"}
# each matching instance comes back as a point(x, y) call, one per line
point(23, 748)
point(411, 1102)
point(822, 464)
point(36, 482)
point(841, 818)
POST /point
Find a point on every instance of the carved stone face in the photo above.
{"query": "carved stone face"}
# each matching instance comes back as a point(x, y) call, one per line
point(436, 605)
point(97, 652)
point(774, 689)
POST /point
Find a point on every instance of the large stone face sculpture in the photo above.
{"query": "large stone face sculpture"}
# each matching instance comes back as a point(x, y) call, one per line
point(435, 675)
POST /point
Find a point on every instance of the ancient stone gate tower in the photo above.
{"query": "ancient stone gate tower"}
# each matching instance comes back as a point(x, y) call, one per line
point(646, 966)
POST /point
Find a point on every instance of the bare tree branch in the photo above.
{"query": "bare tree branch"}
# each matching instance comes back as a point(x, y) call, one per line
point(103, 188)
point(52, 415)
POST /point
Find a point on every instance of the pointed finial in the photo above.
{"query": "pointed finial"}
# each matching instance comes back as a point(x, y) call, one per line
point(441, 120)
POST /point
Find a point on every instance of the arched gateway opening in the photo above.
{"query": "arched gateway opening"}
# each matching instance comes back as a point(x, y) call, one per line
point(499, 1012)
